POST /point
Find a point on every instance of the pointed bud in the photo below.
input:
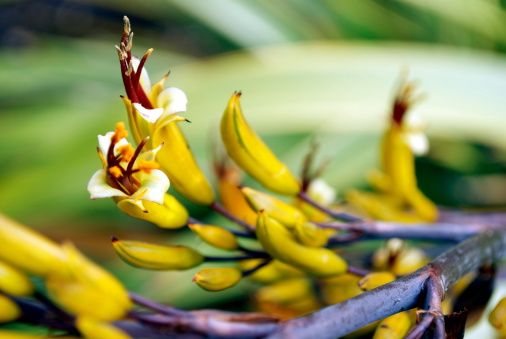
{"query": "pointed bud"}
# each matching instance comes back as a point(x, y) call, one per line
point(375, 279)
point(284, 213)
point(393, 327)
point(171, 214)
point(311, 235)
point(280, 244)
point(217, 279)
point(14, 282)
point(250, 153)
point(215, 236)
point(28, 250)
point(93, 329)
point(157, 257)
point(9, 310)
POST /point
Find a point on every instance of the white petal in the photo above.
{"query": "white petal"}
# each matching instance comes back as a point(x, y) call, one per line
point(104, 142)
point(153, 186)
point(418, 142)
point(149, 155)
point(144, 79)
point(322, 192)
point(99, 188)
point(173, 100)
point(151, 115)
point(415, 121)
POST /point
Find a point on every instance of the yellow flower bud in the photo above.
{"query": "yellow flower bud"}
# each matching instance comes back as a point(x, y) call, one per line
point(311, 235)
point(393, 327)
point(82, 285)
point(157, 257)
point(14, 282)
point(340, 288)
point(93, 329)
point(251, 154)
point(273, 271)
point(409, 260)
point(215, 236)
point(285, 213)
point(498, 315)
point(171, 214)
point(229, 180)
point(285, 291)
point(9, 310)
point(380, 206)
point(376, 279)
point(217, 279)
point(280, 244)
point(294, 309)
point(28, 250)
point(177, 161)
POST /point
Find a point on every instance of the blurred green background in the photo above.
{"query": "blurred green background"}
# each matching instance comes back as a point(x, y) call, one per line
point(307, 68)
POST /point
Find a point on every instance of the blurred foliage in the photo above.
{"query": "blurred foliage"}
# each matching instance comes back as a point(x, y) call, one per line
point(307, 69)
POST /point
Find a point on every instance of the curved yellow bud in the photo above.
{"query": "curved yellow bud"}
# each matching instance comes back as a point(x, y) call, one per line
point(312, 213)
point(215, 236)
point(340, 288)
point(250, 153)
point(172, 214)
point(409, 260)
point(157, 257)
point(398, 162)
point(381, 206)
point(310, 235)
point(14, 282)
point(280, 244)
point(376, 279)
point(498, 315)
point(82, 285)
point(175, 158)
point(217, 279)
point(285, 291)
point(285, 213)
point(9, 310)
point(233, 199)
point(28, 250)
point(94, 329)
point(273, 271)
point(398, 165)
point(393, 327)
point(177, 161)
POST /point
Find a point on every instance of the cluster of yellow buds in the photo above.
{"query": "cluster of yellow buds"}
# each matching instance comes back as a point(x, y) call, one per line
point(398, 197)
point(72, 281)
point(137, 179)
point(290, 253)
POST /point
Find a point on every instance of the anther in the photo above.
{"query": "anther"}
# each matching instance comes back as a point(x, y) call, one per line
point(115, 172)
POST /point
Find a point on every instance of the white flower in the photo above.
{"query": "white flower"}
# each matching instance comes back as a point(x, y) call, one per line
point(126, 173)
point(320, 191)
point(414, 135)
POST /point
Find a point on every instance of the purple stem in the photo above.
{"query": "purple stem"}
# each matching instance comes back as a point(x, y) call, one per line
point(152, 305)
point(224, 212)
point(235, 232)
point(333, 213)
point(358, 271)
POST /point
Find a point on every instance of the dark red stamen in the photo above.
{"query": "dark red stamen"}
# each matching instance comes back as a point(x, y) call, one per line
point(402, 103)
point(131, 77)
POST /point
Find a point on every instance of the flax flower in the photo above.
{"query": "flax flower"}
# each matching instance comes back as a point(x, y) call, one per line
point(152, 112)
